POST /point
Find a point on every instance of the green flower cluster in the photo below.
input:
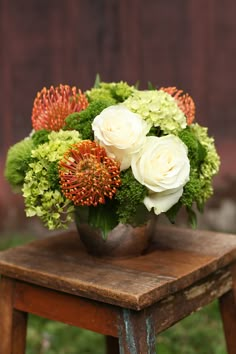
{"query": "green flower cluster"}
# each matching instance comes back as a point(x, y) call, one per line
point(196, 151)
point(82, 121)
point(17, 162)
point(204, 163)
point(42, 198)
point(116, 92)
point(40, 136)
point(196, 155)
point(158, 108)
point(130, 198)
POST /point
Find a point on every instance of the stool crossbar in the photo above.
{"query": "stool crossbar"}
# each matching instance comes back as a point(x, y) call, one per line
point(128, 300)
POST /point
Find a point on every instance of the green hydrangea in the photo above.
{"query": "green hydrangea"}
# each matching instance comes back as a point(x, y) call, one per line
point(210, 165)
point(158, 108)
point(42, 198)
point(114, 91)
point(17, 162)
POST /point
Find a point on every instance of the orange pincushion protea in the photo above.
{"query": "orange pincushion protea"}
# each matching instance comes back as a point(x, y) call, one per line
point(185, 102)
point(52, 106)
point(88, 175)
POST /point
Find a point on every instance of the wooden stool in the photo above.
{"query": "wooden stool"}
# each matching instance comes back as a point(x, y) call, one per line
point(130, 299)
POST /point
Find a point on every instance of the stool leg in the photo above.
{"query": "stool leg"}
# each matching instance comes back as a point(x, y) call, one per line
point(13, 323)
point(112, 345)
point(228, 314)
point(136, 333)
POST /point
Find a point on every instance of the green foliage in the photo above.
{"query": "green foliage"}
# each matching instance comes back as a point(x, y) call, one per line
point(151, 86)
point(154, 131)
point(204, 162)
point(53, 175)
point(194, 187)
point(130, 197)
point(82, 121)
point(172, 212)
point(87, 116)
point(103, 217)
point(17, 162)
point(40, 137)
point(97, 81)
point(196, 151)
point(196, 154)
point(192, 217)
point(206, 193)
point(71, 121)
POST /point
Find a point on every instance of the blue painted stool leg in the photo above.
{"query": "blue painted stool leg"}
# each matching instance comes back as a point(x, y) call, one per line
point(136, 333)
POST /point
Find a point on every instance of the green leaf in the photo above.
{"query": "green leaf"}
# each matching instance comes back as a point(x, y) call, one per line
point(151, 86)
point(200, 206)
point(154, 131)
point(103, 217)
point(97, 81)
point(172, 212)
point(192, 218)
point(136, 85)
point(201, 152)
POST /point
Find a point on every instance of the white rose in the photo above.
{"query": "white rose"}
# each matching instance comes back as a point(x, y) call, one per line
point(162, 201)
point(121, 132)
point(162, 165)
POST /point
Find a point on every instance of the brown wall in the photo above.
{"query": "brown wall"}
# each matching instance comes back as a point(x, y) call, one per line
point(187, 43)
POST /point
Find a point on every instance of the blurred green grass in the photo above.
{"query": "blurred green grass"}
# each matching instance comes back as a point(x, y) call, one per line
point(200, 333)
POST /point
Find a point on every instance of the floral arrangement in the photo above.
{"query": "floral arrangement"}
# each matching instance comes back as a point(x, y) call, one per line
point(114, 151)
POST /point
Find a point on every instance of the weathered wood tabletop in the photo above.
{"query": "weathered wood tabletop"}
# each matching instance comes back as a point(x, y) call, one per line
point(176, 259)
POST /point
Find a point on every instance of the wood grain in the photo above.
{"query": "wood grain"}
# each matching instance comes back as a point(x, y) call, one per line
point(132, 299)
point(228, 313)
point(66, 308)
point(13, 323)
point(136, 332)
point(175, 307)
point(176, 259)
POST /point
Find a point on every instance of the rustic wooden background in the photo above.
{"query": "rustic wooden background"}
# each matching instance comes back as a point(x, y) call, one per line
point(187, 43)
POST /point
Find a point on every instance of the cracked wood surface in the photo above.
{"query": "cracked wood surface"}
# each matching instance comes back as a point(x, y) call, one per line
point(176, 259)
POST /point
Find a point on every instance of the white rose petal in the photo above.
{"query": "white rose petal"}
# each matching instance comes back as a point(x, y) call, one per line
point(162, 165)
point(163, 201)
point(121, 132)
